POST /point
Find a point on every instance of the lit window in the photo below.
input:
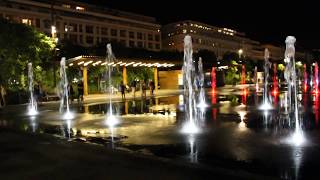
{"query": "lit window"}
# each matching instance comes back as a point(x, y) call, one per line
point(184, 31)
point(80, 8)
point(191, 31)
point(66, 6)
point(27, 21)
point(219, 30)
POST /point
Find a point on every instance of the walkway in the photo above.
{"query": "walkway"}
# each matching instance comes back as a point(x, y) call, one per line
point(116, 97)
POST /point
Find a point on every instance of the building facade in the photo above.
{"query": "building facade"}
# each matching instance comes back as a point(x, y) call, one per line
point(218, 40)
point(84, 24)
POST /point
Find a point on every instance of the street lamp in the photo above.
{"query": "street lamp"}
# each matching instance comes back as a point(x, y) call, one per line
point(240, 51)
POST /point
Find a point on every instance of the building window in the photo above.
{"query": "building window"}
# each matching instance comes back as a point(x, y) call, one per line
point(104, 40)
point(131, 43)
point(27, 21)
point(114, 32)
point(66, 6)
point(157, 46)
point(89, 40)
point(73, 38)
point(184, 31)
point(150, 45)
point(89, 29)
point(140, 44)
point(104, 31)
point(81, 39)
point(73, 27)
point(123, 33)
point(46, 23)
point(38, 23)
point(80, 27)
point(131, 35)
point(123, 42)
point(97, 30)
point(139, 35)
point(150, 37)
point(58, 25)
point(97, 40)
point(79, 8)
point(157, 38)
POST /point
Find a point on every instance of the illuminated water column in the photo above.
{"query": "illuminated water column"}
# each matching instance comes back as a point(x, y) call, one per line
point(275, 80)
point(243, 74)
point(256, 78)
point(316, 79)
point(316, 109)
point(305, 78)
point(244, 96)
point(213, 80)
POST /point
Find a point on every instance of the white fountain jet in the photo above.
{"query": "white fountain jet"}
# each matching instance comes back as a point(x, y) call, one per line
point(111, 120)
point(202, 99)
point(32, 107)
point(297, 137)
point(188, 70)
point(64, 93)
point(266, 103)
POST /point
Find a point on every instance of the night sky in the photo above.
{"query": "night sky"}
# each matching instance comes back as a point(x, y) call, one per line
point(266, 21)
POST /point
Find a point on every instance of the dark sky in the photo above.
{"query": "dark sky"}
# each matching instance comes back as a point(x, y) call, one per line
point(267, 21)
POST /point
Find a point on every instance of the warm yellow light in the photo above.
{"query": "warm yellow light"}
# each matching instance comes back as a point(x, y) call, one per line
point(80, 62)
point(71, 64)
point(87, 63)
point(129, 64)
point(53, 30)
point(240, 51)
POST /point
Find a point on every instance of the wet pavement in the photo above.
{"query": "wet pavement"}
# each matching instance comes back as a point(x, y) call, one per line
point(235, 133)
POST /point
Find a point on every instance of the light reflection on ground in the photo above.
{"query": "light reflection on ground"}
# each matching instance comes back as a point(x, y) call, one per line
point(234, 129)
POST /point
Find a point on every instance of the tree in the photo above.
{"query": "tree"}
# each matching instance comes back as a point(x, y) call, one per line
point(232, 76)
point(20, 44)
point(228, 57)
point(209, 58)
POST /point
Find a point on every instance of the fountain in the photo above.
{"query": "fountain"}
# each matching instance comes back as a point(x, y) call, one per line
point(305, 78)
point(32, 107)
point(275, 80)
point(213, 80)
point(290, 75)
point(64, 93)
point(316, 79)
point(111, 120)
point(255, 78)
point(189, 78)
point(202, 99)
point(266, 105)
point(243, 74)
